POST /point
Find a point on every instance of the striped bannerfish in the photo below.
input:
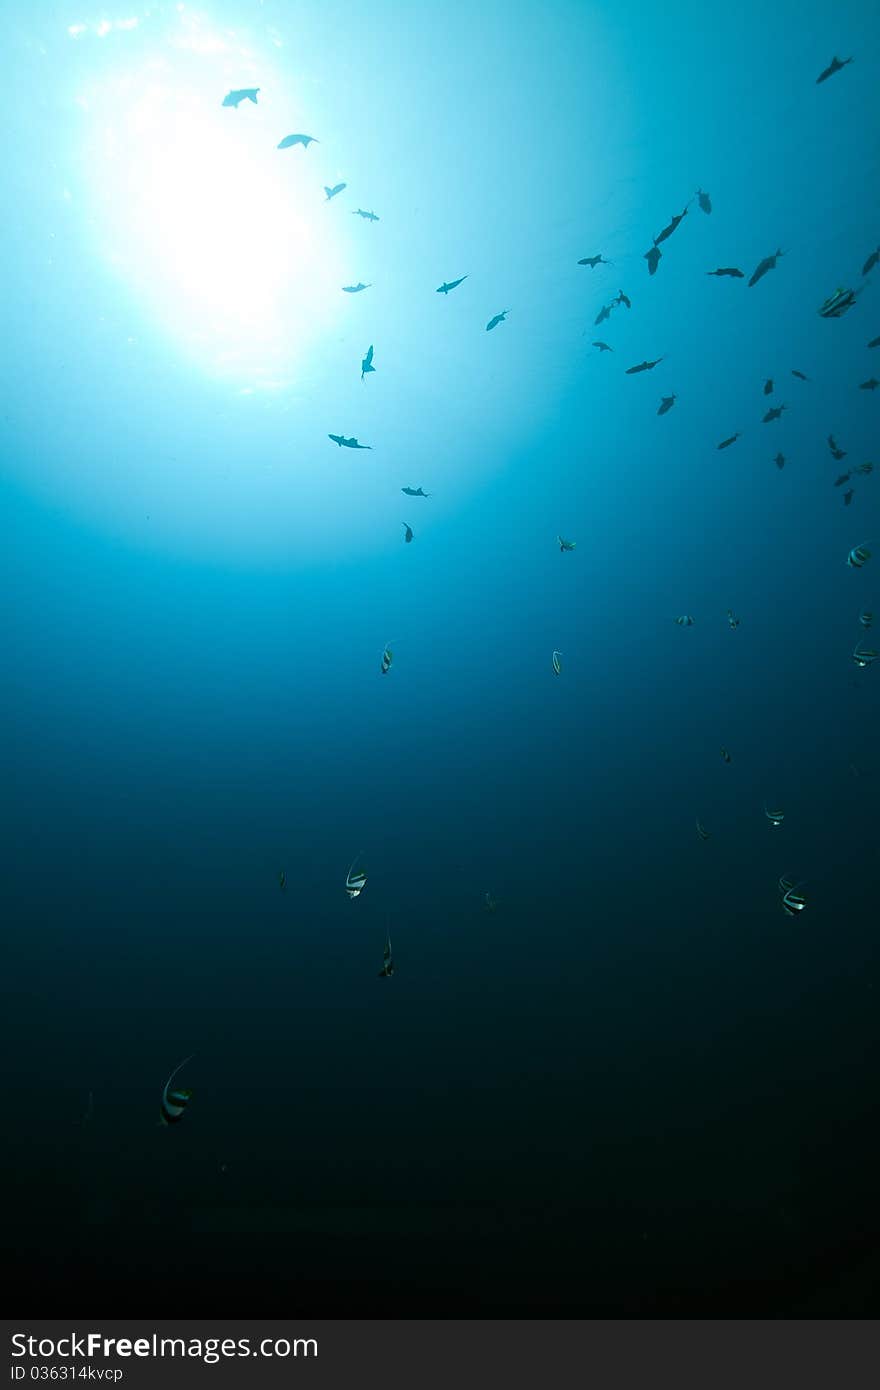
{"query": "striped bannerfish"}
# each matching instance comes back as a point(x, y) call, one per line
point(858, 556)
point(732, 620)
point(557, 663)
point(725, 755)
point(355, 880)
point(684, 621)
point(387, 658)
point(702, 832)
point(864, 468)
point(174, 1102)
point(792, 900)
point(774, 817)
point(864, 656)
point(566, 545)
point(387, 960)
point(866, 617)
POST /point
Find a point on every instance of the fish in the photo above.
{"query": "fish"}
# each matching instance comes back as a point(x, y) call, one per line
point(496, 319)
point(387, 658)
point(725, 755)
point(623, 299)
point(835, 451)
point(864, 468)
point(703, 833)
point(870, 385)
point(732, 620)
point(836, 304)
point(593, 261)
point(282, 879)
point(367, 216)
point(666, 404)
point(643, 367)
point(415, 492)
point(726, 443)
point(557, 662)
point(450, 285)
point(566, 545)
point(241, 94)
point(704, 201)
point(858, 556)
point(603, 347)
point(773, 413)
point(872, 260)
point(356, 289)
point(848, 496)
point(763, 267)
point(779, 460)
point(653, 257)
point(304, 140)
point(774, 817)
point(355, 879)
point(844, 478)
point(367, 362)
point(800, 376)
point(792, 900)
point(490, 903)
point(864, 656)
point(332, 192)
point(768, 386)
point(670, 228)
point(603, 314)
point(834, 66)
point(875, 342)
point(866, 617)
point(351, 443)
point(387, 960)
point(409, 531)
point(174, 1102)
point(730, 270)
point(684, 621)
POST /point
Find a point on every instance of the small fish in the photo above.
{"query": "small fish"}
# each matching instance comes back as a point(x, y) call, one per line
point(836, 305)
point(666, 404)
point(496, 319)
point(768, 386)
point(368, 216)
point(779, 460)
point(773, 413)
point(242, 94)
point(872, 260)
point(490, 903)
point(834, 66)
point(408, 530)
point(870, 385)
point(670, 228)
point(704, 201)
point(800, 376)
point(726, 443)
point(566, 545)
point(844, 478)
point(684, 621)
point(725, 755)
point(603, 347)
point(847, 496)
point(387, 658)
point(858, 556)
point(174, 1102)
point(356, 289)
point(603, 314)
point(774, 817)
point(732, 620)
point(792, 900)
point(623, 299)
point(332, 192)
point(875, 342)
point(557, 662)
point(351, 443)
point(864, 468)
point(450, 285)
point(763, 267)
point(653, 257)
point(282, 879)
point(304, 140)
point(703, 833)
point(866, 617)
point(415, 492)
point(730, 270)
point(643, 367)
point(387, 960)
point(355, 879)
point(367, 362)
point(593, 261)
point(835, 451)
point(864, 656)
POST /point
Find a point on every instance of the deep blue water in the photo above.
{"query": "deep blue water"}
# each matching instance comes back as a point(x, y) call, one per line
point(637, 1087)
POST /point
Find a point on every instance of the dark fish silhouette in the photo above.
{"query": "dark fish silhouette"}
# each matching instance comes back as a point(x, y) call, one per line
point(304, 140)
point(332, 192)
point(242, 94)
point(836, 452)
point(704, 201)
point(450, 285)
point(496, 319)
point(836, 305)
point(666, 404)
point(387, 961)
point(603, 314)
point(670, 228)
point(653, 258)
point(415, 492)
point(779, 460)
point(725, 755)
point(356, 289)
point(623, 299)
point(768, 386)
point(727, 270)
point(352, 443)
point(762, 268)
point(844, 478)
point(726, 443)
point(800, 376)
point(409, 531)
point(847, 496)
point(872, 260)
point(367, 363)
point(368, 216)
point(643, 367)
point(875, 342)
point(593, 261)
point(870, 385)
point(773, 413)
point(834, 66)
point(603, 347)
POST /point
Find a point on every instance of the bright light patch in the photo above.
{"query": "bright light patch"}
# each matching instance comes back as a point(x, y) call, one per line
point(226, 238)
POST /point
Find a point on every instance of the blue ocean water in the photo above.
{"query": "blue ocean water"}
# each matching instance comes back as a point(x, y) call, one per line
point(637, 1085)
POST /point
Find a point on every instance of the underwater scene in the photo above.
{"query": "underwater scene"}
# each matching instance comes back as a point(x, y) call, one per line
point(441, 573)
